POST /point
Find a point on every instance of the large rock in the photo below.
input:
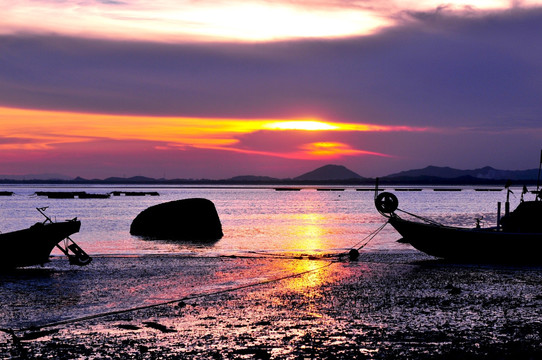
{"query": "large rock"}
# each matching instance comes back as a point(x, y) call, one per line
point(187, 219)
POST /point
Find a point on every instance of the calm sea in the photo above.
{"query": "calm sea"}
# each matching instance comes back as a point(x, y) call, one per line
point(254, 219)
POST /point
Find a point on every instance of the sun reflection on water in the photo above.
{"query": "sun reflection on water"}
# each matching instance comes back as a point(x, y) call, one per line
point(307, 231)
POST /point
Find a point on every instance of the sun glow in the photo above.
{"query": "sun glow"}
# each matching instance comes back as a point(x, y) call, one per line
point(187, 20)
point(248, 20)
point(34, 130)
point(315, 125)
point(331, 150)
point(309, 125)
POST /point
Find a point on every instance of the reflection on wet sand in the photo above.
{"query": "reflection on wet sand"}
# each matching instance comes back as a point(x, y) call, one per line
point(32, 293)
point(40, 296)
point(384, 306)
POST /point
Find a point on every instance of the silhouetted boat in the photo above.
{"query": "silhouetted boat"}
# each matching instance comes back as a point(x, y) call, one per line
point(517, 238)
point(33, 246)
point(135, 193)
point(60, 194)
point(94, 196)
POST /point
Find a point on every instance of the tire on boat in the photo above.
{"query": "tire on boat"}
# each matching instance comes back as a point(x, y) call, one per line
point(386, 202)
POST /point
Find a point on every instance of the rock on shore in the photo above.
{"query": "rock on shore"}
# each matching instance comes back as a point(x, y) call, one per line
point(193, 219)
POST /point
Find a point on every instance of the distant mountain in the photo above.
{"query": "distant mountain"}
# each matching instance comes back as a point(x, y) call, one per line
point(252, 178)
point(329, 172)
point(133, 179)
point(36, 177)
point(486, 173)
point(333, 174)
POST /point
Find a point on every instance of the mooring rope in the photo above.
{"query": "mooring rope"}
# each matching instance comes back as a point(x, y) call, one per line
point(433, 222)
point(369, 237)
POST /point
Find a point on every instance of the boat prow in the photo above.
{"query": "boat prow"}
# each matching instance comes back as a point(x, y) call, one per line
point(33, 245)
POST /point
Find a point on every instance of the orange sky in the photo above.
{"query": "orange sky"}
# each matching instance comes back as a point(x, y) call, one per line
point(33, 130)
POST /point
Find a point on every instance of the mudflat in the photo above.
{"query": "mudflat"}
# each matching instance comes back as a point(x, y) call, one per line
point(385, 305)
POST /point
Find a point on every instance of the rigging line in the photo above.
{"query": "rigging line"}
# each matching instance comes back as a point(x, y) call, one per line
point(372, 237)
point(287, 255)
point(369, 237)
point(257, 255)
point(421, 218)
point(143, 307)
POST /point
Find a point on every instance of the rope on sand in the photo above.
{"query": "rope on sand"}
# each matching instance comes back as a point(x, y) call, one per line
point(353, 254)
point(16, 339)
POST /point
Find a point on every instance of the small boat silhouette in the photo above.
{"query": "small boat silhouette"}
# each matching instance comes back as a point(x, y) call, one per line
point(516, 238)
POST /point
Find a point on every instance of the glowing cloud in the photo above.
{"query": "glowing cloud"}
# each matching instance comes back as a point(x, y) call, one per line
point(309, 125)
point(27, 130)
point(181, 20)
point(250, 20)
point(332, 150)
point(315, 125)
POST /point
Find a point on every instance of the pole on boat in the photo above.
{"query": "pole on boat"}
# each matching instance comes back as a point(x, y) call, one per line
point(498, 215)
point(508, 192)
point(79, 257)
point(538, 179)
point(42, 211)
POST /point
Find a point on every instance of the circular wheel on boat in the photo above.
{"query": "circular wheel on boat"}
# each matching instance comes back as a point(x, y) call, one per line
point(386, 202)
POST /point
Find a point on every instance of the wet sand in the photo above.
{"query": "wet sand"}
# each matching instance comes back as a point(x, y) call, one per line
point(383, 306)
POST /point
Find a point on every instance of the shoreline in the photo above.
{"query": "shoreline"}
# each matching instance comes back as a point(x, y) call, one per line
point(383, 306)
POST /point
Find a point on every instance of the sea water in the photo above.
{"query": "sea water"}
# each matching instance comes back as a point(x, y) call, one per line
point(254, 218)
point(260, 223)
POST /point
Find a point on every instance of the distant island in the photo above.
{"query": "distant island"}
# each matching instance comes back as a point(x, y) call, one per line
point(328, 174)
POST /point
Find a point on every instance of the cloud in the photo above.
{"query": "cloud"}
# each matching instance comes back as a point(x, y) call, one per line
point(174, 21)
point(101, 158)
point(9, 141)
point(432, 71)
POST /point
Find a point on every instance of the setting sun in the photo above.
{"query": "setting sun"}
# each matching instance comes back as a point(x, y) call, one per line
point(310, 125)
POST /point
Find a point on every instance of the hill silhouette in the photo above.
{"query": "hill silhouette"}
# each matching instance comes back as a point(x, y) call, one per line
point(332, 174)
point(487, 173)
point(329, 172)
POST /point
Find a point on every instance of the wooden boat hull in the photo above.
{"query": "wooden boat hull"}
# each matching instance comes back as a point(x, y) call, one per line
point(470, 245)
point(33, 246)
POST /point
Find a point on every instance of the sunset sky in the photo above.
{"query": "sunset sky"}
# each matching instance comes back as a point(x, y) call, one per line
point(215, 89)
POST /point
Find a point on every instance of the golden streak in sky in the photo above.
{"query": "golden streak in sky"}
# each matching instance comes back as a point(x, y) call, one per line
point(310, 125)
point(333, 150)
point(41, 130)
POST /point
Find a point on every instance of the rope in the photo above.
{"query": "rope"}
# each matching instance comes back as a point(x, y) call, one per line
point(190, 297)
point(433, 222)
point(369, 237)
